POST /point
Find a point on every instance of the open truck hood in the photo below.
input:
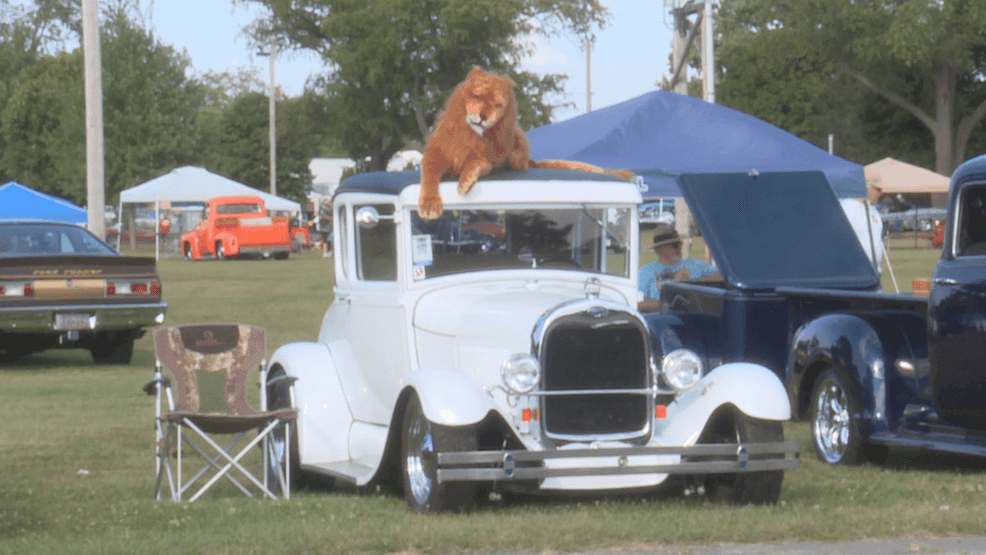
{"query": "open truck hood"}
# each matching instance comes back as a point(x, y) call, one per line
point(777, 229)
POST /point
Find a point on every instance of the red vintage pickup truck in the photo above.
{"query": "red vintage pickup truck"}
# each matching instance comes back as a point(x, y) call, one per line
point(237, 226)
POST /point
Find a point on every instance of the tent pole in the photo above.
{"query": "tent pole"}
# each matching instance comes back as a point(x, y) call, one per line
point(119, 220)
point(157, 230)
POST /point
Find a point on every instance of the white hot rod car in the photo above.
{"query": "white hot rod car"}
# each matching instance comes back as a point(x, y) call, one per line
point(500, 346)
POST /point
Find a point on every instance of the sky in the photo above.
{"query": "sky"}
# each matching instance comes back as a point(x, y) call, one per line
point(630, 55)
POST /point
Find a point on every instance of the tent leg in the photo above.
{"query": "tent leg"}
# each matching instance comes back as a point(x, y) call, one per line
point(119, 221)
point(157, 230)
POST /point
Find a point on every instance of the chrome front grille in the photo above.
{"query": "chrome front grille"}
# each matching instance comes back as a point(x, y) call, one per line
point(595, 377)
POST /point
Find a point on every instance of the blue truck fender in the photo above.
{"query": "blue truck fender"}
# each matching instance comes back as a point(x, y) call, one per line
point(675, 331)
point(324, 417)
point(754, 390)
point(448, 397)
point(853, 343)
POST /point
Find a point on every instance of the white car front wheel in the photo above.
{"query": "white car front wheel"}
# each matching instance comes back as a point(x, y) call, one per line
point(421, 441)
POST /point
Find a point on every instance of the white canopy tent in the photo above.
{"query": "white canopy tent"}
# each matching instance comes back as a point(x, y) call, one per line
point(189, 184)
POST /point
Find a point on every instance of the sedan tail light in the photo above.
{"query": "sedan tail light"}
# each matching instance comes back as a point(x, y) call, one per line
point(133, 287)
point(16, 289)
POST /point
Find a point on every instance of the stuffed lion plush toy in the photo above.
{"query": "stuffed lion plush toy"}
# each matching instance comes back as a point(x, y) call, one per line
point(476, 133)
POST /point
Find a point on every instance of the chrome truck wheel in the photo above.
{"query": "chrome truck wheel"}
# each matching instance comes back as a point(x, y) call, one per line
point(835, 430)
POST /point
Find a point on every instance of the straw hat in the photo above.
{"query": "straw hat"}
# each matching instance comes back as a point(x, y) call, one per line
point(665, 235)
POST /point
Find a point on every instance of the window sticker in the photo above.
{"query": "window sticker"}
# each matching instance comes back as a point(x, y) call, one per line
point(421, 250)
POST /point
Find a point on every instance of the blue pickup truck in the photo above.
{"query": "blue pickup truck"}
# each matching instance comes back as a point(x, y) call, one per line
point(869, 370)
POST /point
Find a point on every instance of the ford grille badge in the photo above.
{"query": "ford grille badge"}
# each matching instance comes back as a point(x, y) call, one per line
point(596, 312)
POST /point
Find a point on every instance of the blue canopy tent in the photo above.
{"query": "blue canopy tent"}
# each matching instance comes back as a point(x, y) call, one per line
point(661, 135)
point(18, 202)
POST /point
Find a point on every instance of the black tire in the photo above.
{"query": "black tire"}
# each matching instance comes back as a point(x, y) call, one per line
point(836, 429)
point(187, 248)
point(220, 251)
point(421, 441)
point(743, 488)
point(279, 397)
point(110, 350)
point(281, 256)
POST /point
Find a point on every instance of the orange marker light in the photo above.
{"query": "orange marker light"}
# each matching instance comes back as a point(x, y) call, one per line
point(661, 411)
point(526, 415)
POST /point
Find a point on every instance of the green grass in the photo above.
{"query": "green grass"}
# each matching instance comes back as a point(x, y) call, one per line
point(77, 467)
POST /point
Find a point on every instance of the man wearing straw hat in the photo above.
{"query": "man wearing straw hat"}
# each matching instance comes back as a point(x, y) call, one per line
point(670, 266)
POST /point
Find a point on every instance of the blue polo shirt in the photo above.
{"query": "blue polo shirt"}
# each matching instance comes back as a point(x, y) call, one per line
point(652, 274)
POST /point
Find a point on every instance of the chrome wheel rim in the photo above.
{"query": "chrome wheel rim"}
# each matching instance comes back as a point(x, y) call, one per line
point(420, 461)
point(831, 428)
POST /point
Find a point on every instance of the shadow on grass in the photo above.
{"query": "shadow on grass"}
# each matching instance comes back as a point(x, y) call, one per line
point(932, 461)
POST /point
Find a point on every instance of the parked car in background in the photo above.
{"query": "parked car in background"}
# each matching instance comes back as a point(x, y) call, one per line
point(501, 346)
point(62, 287)
point(236, 226)
point(916, 218)
point(653, 213)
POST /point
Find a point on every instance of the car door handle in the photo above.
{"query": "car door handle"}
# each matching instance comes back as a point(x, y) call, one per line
point(946, 281)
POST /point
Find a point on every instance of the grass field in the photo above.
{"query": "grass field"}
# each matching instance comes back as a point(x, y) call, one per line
point(77, 467)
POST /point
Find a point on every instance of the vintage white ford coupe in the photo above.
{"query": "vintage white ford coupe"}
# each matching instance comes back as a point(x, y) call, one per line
point(500, 347)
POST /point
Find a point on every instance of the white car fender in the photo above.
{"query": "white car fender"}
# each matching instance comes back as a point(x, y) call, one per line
point(753, 389)
point(324, 417)
point(450, 397)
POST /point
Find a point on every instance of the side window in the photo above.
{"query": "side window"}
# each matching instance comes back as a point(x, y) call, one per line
point(376, 246)
point(971, 232)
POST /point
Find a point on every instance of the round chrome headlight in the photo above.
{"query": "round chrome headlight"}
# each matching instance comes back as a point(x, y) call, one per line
point(521, 373)
point(682, 368)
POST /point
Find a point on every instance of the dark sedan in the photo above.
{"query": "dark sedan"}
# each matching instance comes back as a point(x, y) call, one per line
point(62, 287)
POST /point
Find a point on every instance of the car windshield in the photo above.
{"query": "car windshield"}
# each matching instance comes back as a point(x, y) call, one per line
point(40, 239)
point(584, 238)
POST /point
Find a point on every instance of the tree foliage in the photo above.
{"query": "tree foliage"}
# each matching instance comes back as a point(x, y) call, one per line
point(27, 32)
point(393, 63)
point(242, 151)
point(149, 110)
point(923, 59)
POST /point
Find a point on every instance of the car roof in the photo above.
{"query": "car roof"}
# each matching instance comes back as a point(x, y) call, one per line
point(392, 183)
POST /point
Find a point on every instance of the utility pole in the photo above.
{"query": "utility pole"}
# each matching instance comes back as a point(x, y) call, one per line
point(95, 191)
point(708, 56)
point(588, 73)
point(273, 123)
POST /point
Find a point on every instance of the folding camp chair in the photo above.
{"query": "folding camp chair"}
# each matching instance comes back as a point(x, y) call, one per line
point(210, 364)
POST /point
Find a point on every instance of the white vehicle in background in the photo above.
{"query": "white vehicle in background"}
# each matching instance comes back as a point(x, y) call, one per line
point(501, 345)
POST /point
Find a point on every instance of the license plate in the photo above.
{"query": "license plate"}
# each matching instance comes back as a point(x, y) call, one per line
point(73, 321)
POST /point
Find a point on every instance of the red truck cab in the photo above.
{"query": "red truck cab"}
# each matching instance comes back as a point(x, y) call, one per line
point(236, 226)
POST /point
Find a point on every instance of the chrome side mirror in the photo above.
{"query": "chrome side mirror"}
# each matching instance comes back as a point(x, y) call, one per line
point(367, 217)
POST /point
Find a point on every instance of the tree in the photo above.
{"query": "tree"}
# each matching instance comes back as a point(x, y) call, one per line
point(149, 108)
point(43, 127)
point(924, 58)
point(244, 146)
point(28, 31)
point(395, 62)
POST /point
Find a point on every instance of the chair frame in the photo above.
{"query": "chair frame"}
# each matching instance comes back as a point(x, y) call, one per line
point(274, 430)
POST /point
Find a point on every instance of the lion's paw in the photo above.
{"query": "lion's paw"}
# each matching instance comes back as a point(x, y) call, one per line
point(430, 207)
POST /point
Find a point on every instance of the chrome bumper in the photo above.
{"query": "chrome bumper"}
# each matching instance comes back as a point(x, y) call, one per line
point(510, 465)
point(99, 317)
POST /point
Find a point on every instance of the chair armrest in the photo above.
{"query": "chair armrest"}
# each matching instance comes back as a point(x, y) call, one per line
point(152, 384)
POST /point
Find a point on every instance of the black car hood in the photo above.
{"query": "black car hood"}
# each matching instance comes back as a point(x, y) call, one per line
point(777, 229)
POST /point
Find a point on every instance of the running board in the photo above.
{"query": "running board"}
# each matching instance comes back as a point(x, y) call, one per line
point(349, 471)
